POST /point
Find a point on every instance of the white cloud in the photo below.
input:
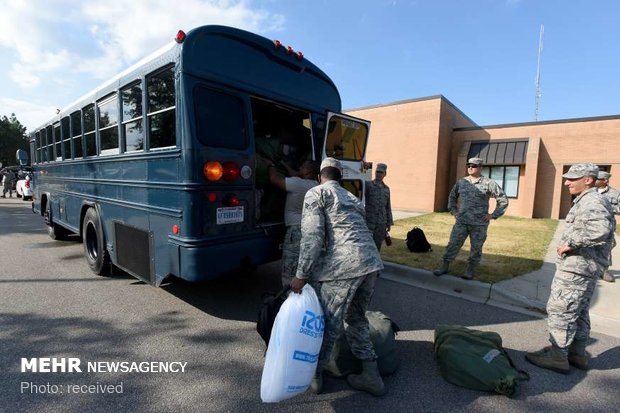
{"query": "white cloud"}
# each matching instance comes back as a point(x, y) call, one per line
point(57, 42)
point(119, 32)
point(29, 114)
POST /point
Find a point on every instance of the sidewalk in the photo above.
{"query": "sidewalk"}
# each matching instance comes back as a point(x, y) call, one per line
point(527, 293)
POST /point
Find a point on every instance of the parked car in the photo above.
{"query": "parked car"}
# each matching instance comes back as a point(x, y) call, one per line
point(20, 172)
point(24, 188)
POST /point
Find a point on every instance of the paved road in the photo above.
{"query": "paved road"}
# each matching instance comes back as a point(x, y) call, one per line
point(52, 306)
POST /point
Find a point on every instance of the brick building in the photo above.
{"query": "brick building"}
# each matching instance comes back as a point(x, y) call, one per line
point(426, 143)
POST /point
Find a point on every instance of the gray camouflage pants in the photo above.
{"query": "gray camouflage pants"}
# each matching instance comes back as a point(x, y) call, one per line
point(378, 234)
point(477, 235)
point(347, 300)
point(568, 306)
point(290, 253)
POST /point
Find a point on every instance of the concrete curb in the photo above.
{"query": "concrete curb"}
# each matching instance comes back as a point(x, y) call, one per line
point(475, 291)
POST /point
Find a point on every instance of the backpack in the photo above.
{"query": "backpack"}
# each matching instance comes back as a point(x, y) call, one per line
point(417, 242)
point(342, 362)
point(268, 312)
point(476, 360)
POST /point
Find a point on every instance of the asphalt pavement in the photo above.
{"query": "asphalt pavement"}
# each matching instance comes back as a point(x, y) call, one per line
point(527, 293)
point(51, 305)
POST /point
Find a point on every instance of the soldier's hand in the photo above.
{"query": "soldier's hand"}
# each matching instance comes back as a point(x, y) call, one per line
point(563, 249)
point(487, 217)
point(297, 284)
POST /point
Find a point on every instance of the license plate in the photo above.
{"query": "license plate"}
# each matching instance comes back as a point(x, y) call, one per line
point(229, 215)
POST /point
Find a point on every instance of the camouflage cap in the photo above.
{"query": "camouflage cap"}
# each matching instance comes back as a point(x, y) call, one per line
point(604, 175)
point(580, 170)
point(381, 167)
point(475, 161)
point(334, 163)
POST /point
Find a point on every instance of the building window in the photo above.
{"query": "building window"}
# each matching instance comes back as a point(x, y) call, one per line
point(507, 177)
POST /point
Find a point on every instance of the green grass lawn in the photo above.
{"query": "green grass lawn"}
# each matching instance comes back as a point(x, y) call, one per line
point(514, 246)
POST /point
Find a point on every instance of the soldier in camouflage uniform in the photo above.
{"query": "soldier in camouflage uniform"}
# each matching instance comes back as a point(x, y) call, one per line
point(469, 203)
point(296, 187)
point(583, 255)
point(378, 208)
point(613, 195)
point(337, 250)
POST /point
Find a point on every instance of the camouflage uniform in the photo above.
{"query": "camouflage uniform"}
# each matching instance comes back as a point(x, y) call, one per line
point(613, 195)
point(589, 231)
point(296, 188)
point(473, 205)
point(378, 210)
point(337, 249)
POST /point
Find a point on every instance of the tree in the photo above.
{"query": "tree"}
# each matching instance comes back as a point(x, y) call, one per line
point(12, 137)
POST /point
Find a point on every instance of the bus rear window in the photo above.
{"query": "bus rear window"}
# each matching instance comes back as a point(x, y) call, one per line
point(220, 119)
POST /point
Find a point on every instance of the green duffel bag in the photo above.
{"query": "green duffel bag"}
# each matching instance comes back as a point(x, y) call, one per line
point(382, 334)
point(476, 360)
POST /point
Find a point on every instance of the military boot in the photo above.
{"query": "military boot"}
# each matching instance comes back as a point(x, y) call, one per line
point(469, 272)
point(577, 355)
point(551, 358)
point(316, 385)
point(368, 380)
point(443, 269)
point(608, 277)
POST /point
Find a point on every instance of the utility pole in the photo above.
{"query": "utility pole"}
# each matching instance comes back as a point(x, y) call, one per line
point(538, 94)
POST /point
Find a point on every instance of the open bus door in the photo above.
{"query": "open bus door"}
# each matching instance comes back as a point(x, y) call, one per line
point(346, 140)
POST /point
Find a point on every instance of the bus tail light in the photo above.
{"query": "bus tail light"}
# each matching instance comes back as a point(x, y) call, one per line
point(231, 171)
point(213, 170)
point(232, 200)
point(175, 229)
point(211, 197)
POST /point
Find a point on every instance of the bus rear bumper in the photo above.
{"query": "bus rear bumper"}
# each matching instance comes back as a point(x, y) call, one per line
point(208, 262)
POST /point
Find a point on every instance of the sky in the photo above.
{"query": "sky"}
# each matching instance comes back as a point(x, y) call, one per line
point(482, 55)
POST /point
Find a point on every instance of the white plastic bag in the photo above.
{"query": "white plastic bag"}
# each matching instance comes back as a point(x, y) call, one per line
point(294, 347)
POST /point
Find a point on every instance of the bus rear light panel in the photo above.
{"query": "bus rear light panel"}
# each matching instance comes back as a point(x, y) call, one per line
point(289, 50)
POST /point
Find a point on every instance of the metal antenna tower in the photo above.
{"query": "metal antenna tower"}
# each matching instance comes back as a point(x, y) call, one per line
point(538, 94)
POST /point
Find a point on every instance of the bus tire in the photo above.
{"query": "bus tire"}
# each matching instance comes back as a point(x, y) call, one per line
point(55, 231)
point(95, 250)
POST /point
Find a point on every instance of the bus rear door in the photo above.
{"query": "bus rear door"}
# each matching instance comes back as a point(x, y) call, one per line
point(346, 140)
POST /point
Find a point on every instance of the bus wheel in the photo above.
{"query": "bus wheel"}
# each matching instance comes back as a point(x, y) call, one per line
point(94, 244)
point(55, 231)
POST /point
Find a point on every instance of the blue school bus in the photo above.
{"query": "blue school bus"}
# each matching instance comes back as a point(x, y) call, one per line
point(162, 170)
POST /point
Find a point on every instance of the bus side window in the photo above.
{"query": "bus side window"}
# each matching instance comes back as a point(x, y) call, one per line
point(66, 138)
point(57, 142)
point(108, 125)
point(76, 133)
point(161, 109)
point(133, 129)
point(90, 148)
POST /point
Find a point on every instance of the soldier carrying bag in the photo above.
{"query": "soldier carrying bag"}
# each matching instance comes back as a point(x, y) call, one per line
point(476, 360)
